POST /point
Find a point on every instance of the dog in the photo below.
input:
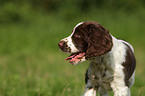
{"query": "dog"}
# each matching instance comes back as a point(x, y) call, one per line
point(112, 61)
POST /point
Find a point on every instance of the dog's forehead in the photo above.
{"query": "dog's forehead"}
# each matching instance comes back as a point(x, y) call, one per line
point(76, 27)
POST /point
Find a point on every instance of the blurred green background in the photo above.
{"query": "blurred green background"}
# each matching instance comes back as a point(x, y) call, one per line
point(31, 63)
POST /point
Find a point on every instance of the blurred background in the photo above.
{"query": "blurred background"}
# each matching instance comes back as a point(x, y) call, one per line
point(31, 63)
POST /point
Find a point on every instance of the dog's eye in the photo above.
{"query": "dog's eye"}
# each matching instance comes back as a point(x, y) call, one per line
point(77, 36)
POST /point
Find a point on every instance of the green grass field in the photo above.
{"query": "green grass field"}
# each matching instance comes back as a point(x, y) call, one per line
point(31, 63)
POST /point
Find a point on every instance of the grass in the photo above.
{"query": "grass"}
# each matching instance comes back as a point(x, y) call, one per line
point(32, 65)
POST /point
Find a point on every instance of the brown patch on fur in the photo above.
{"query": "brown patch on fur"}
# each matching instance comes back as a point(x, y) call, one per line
point(129, 64)
point(79, 38)
point(100, 41)
point(94, 39)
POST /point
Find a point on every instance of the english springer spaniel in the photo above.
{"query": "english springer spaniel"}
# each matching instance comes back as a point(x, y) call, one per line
point(112, 60)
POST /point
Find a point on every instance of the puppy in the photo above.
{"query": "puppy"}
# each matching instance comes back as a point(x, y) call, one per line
point(112, 61)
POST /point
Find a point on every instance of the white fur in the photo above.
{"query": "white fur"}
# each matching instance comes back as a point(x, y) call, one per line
point(118, 84)
point(128, 44)
point(70, 44)
point(90, 92)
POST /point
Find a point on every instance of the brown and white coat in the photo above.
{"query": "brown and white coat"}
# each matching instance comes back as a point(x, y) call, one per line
point(112, 60)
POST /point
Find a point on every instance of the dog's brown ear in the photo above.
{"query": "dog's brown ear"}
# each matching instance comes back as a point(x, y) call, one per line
point(99, 40)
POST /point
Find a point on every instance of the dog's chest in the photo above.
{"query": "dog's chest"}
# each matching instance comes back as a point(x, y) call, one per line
point(100, 75)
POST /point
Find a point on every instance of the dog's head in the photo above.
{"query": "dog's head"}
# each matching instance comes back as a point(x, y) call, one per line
point(88, 39)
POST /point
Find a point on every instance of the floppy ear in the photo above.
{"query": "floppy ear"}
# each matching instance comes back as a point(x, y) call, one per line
point(99, 40)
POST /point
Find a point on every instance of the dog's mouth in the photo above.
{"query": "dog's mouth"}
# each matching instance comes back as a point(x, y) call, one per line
point(75, 56)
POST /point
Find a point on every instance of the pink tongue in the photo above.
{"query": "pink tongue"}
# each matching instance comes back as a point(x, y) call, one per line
point(70, 57)
point(75, 57)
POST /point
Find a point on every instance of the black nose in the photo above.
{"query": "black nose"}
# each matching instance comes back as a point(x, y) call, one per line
point(61, 44)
